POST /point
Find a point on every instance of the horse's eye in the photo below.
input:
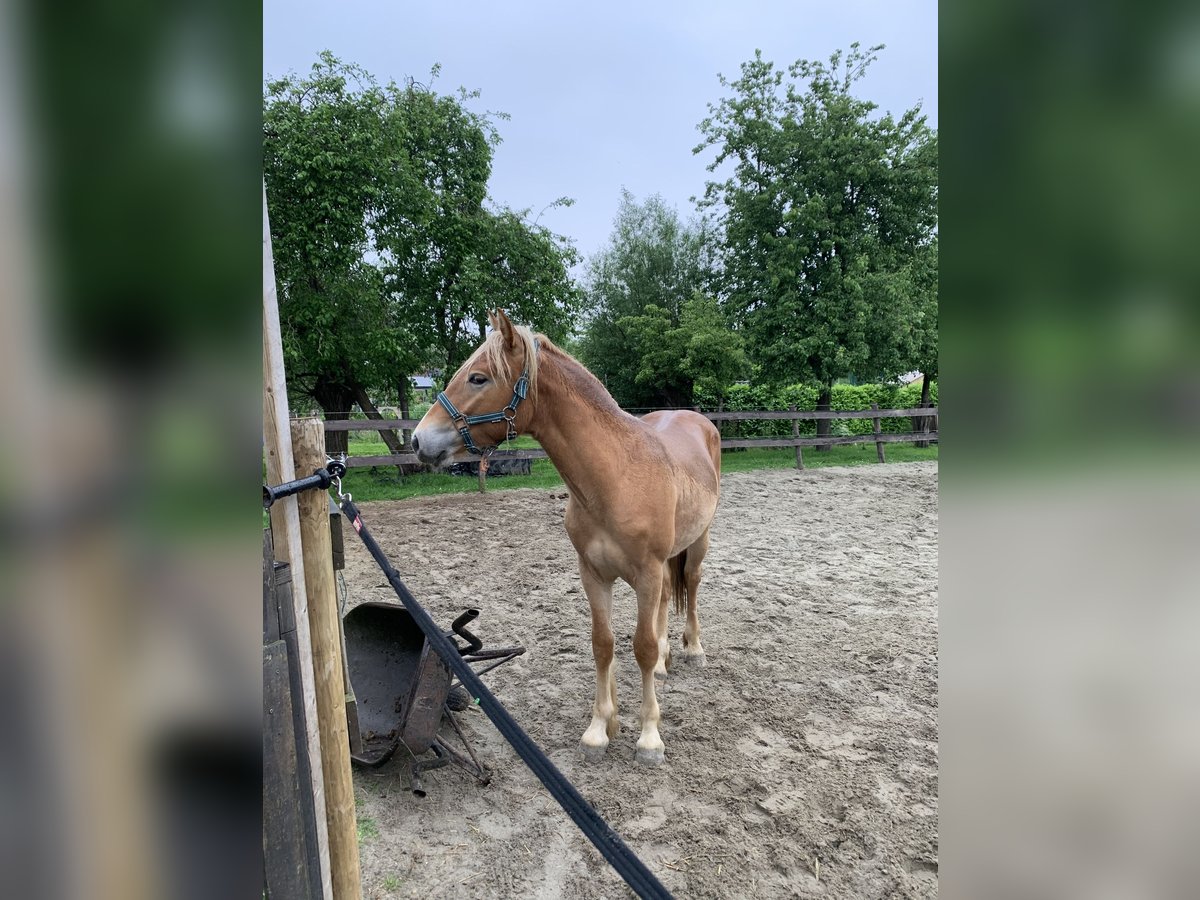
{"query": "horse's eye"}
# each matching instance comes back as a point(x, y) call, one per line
point(476, 378)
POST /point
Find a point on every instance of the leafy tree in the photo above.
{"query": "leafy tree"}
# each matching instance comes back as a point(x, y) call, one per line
point(924, 352)
point(822, 214)
point(636, 290)
point(387, 253)
point(700, 353)
point(448, 257)
point(323, 139)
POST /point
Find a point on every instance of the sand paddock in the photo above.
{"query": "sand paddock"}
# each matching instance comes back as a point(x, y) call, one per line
point(802, 761)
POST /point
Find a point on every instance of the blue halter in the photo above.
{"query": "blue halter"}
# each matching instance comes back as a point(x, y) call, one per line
point(508, 414)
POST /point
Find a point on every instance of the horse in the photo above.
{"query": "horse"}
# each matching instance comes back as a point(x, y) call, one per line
point(642, 495)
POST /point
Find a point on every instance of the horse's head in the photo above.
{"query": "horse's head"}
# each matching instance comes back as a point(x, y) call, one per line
point(489, 399)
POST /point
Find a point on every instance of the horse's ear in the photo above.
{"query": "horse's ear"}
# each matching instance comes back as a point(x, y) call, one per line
point(492, 321)
point(506, 329)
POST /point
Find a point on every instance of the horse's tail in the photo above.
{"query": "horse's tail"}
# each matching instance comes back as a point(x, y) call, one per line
point(678, 582)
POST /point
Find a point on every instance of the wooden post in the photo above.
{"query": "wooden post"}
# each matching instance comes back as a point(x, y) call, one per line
point(279, 624)
point(285, 527)
point(878, 443)
point(285, 862)
point(339, 563)
point(796, 435)
point(308, 442)
point(483, 467)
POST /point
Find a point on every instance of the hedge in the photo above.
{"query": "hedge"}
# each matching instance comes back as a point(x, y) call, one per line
point(844, 397)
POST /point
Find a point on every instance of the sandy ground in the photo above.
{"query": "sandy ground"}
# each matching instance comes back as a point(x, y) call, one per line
point(802, 761)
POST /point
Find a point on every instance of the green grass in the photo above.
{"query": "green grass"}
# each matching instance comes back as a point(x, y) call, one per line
point(367, 829)
point(840, 455)
point(384, 483)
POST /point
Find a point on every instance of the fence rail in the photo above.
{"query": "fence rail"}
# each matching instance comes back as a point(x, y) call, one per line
point(743, 415)
point(876, 436)
point(807, 414)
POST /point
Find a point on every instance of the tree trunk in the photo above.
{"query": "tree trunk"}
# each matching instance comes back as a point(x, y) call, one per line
point(921, 423)
point(335, 400)
point(394, 443)
point(824, 398)
point(405, 412)
point(678, 396)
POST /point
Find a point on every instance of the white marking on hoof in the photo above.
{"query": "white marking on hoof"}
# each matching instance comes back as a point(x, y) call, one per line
point(593, 754)
point(648, 757)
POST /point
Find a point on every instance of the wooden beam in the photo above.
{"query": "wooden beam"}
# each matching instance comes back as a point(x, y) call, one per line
point(354, 462)
point(400, 459)
point(285, 864)
point(369, 424)
point(285, 527)
point(884, 438)
point(876, 429)
point(394, 442)
point(820, 414)
point(308, 440)
point(796, 436)
point(745, 415)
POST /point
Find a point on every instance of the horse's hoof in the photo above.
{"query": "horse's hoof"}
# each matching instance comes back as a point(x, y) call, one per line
point(660, 677)
point(592, 754)
point(650, 757)
point(696, 659)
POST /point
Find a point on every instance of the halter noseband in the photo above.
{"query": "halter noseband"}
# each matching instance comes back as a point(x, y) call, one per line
point(508, 414)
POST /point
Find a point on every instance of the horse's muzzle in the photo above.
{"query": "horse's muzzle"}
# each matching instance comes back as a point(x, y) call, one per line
point(430, 457)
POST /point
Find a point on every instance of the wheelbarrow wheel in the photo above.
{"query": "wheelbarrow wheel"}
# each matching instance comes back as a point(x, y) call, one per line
point(458, 699)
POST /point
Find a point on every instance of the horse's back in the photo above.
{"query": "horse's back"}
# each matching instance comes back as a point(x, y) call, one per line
point(691, 440)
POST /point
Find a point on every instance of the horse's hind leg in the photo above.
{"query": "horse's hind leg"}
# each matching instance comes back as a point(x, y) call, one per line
point(692, 650)
point(664, 645)
point(604, 722)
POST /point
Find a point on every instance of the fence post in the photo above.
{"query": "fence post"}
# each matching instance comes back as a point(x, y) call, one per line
point(878, 443)
point(308, 442)
point(796, 435)
point(483, 467)
point(285, 530)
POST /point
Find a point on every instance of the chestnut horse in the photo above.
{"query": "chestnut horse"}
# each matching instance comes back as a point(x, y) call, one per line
point(643, 493)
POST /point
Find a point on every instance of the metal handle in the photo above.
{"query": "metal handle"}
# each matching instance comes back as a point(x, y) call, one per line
point(321, 478)
point(458, 626)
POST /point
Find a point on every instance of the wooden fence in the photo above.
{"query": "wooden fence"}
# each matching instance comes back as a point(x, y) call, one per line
point(877, 436)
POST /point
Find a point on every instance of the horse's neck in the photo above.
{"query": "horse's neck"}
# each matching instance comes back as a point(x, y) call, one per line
point(580, 426)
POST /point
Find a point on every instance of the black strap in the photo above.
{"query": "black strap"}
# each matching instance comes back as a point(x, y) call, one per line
point(608, 842)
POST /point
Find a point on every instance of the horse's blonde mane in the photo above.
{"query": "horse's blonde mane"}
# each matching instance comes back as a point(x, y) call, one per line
point(498, 360)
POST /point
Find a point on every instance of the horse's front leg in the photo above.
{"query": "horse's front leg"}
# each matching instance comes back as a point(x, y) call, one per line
point(650, 749)
point(604, 722)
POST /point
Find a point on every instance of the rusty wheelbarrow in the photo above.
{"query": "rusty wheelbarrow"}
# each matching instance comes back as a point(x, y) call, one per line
point(403, 691)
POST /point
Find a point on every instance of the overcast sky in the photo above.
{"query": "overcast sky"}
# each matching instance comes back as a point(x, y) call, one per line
point(602, 95)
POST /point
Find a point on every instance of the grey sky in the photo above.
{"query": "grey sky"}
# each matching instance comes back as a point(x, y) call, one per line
point(602, 96)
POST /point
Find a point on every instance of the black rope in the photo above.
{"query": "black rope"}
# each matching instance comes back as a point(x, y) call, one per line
point(599, 832)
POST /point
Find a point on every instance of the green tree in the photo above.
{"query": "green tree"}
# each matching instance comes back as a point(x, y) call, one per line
point(823, 211)
point(323, 139)
point(924, 352)
point(636, 289)
point(449, 258)
point(387, 252)
point(700, 352)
